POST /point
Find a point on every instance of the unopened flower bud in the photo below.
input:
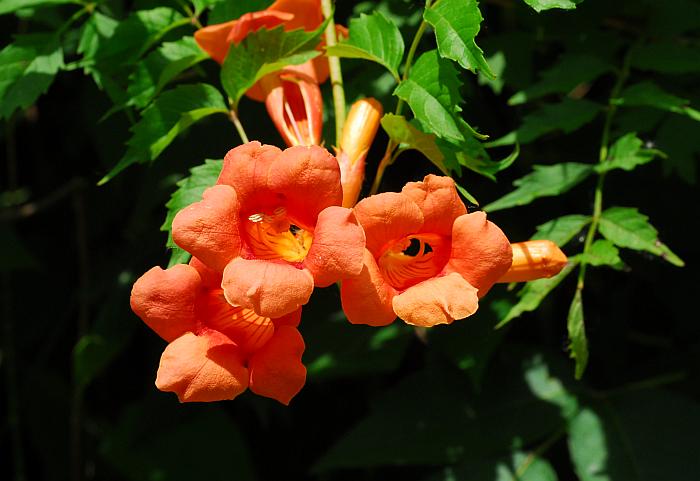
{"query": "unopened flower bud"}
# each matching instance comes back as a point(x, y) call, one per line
point(534, 259)
point(358, 134)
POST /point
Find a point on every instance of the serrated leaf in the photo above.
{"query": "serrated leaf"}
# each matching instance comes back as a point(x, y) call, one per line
point(472, 155)
point(572, 71)
point(9, 6)
point(456, 24)
point(627, 227)
point(648, 94)
point(544, 181)
point(578, 344)
point(27, 69)
point(160, 67)
point(432, 92)
point(627, 153)
point(171, 114)
point(373, 37)
point(264, 52)
point(189, 190)
point(562, 229)
point(407, 136)
point(534, 292)
point(568, 116)
point(540, 5)
point(666, 56)
point(603, 253)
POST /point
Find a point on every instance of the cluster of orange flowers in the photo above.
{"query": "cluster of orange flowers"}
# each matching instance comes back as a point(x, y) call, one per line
point(279, 223)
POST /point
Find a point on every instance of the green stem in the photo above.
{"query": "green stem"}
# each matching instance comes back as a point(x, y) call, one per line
point(335, 71)
point(539, 451)
point(389, 158)
point(88, 8)
point(239, 127)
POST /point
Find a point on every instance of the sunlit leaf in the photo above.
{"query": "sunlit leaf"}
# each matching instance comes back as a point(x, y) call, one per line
point(410, 137)
point(540, 5)
point(603, 253)
point(627, 227)
point(160, 67)
point(562, 229)
point(27, 69)
point(648, 94)
point(9, 6)
point(568, 116)
point(171, 114)
point(264, 52)
point(534, 292)
point(544, 181)
point(373, 37)
point(189, 190)
point(627, 153)
point(456, 24)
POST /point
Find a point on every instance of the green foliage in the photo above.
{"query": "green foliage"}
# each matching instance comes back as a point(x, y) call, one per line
point(627, 227)
point(666, 56)
point(409, 137)
point(373, 37)
point(27, 69)
point(264, 52)
point(578, 344)
point(562, 229)
point(9, 6)
point(172, 113)
point(627, 153)
point(540, 5)
point(456, 24)
point(224, 11)
point(189, 190)
point(648, 94)
point(544, 181)
point(603, 253)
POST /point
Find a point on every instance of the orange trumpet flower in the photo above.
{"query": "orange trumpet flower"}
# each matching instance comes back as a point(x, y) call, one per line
point(534, 259)
point(274, 227)
point(358, 134)
point(292, 96)
point(216, 350)
point(427, 260)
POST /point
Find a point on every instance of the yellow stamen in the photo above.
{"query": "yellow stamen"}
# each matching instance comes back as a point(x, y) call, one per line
point(272, 236)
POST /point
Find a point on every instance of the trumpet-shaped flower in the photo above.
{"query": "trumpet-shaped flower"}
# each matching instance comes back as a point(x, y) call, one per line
point(535, 259)
point(216, 350)
point(274, 227)
point(426, 260)
point(292, 96)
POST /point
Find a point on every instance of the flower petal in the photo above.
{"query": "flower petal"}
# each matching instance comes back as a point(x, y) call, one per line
point(245, 169)
point(213, 39)
point(276, 370)
point(481, 252)
point(337, 248)
point(202, 368)
point(387, 217)
point(439, 300)
point(271, 289)
point(209, 229)
point(165, 300)
point(438, 200)
point(535, 259)
point(307, 13)
point(292, 319)
point(309, 179)
point(366, 299)
point(254, 21)
point(211, 279)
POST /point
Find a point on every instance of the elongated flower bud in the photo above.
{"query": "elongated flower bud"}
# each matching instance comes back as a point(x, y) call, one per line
point(358, 134)
point(295, 105)
point(534, 259)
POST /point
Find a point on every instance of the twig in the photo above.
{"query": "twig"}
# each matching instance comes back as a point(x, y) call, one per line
point(239, 127)
point(335, 71)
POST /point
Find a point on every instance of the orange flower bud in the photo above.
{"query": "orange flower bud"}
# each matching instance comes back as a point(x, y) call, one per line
point(534, 259)
point(358, 134)
point(295, 106)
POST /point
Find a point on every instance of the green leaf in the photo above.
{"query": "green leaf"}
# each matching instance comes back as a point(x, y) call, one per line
point(373, 37)
point(627, 153)
point(160, 67)
point(666, 56)
point(562, 229)
point(189, 190)
point(472, 155)
point(432, 93)
point(571, 71)
point(578, 344)
point(648, 94)
point(534, 292)
point(456, 24)
point(603, 253)
point(627, 227)
point(568, 116)
point(544, 181)
point(497, 62)
point(540, 5)
point(27, 69)
point(639, 435)
point(264, 52)
point(409, 137)
point(9, 6)
point(520, 466)
point(165, 119)
point(225, 10)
